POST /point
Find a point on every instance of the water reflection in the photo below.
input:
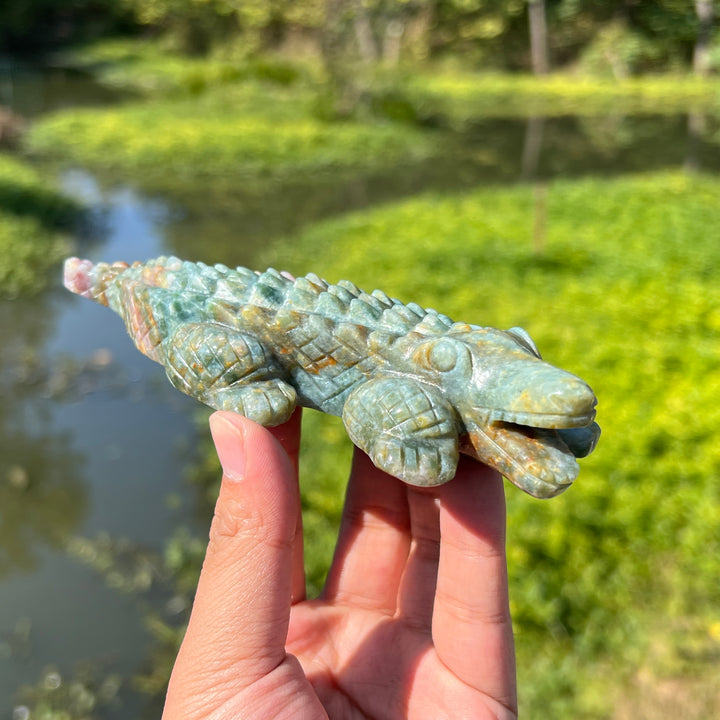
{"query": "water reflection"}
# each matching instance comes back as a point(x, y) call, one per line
point(31, 92)
point(42, 499)
point(228, 221)
point(91, 441)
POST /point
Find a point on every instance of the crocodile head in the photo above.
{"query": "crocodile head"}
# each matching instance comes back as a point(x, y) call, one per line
point(521, 415)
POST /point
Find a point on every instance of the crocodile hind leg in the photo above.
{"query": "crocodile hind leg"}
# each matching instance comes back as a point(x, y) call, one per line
point(407, 428)
point(228, 370)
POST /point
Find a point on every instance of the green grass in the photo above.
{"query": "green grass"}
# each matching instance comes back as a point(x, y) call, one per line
point(245, 132)
point(461, 97)
point(619, 575)
point(34, 218)
point(150, 66)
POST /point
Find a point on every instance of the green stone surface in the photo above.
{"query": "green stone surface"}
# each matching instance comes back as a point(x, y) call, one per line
point(414, 388)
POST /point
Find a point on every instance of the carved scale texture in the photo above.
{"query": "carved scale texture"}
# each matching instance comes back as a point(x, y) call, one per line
point(205, 285)
point(410, 383)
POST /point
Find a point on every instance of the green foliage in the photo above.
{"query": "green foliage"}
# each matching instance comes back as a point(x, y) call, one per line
point(325, 455)
point(214, 136)
point(32, 218)
point(484, 33)
point(149, 66)
point(196, 25)
point(624, 295)
point(458, 98)
point(617, 51)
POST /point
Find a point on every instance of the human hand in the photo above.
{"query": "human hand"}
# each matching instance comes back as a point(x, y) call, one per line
point(413, 623)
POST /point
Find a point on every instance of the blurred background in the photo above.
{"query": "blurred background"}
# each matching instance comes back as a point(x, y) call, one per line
point(545, 163)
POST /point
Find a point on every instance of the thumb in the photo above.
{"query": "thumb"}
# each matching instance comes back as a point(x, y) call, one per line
point(238, 626)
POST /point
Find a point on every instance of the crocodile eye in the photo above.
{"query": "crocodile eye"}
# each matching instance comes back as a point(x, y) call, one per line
point(439, 355)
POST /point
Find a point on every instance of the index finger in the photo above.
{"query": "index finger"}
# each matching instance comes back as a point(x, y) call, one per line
point(288, 435)
point(472, 629)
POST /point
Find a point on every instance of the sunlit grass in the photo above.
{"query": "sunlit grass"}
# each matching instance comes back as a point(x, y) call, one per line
point(462, 96)
point(624, 294)
point(217, 137)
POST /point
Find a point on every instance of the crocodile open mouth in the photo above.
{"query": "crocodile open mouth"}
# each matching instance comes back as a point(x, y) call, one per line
point(540, 460)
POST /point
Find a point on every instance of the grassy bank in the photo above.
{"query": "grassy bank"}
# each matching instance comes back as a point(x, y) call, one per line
point(617, 579)
point(250, 130)
point(223, 120)
point(459, 98)
point(34, 218)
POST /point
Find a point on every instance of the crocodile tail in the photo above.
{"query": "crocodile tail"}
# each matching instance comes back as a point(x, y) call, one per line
point(91, 281)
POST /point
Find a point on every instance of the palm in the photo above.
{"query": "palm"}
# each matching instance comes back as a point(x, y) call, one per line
point(393, 637)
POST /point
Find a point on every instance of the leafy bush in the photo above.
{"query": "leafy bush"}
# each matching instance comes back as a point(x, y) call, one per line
point(617, 51)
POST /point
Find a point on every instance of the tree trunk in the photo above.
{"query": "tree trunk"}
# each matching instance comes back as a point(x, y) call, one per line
point(701, 55)
point(343, 93)
point(417, 32)
point(364, 34)
point(392, 42)
point(538, 37)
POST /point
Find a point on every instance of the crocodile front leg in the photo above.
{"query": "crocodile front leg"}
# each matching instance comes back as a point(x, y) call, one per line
point(407, 428)
point(228, 370)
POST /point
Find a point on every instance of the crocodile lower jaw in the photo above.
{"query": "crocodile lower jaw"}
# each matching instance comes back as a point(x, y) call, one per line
point(535, 459)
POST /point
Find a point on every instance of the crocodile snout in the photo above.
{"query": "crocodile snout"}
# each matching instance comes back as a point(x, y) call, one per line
point(538, 395)
point(567, 396)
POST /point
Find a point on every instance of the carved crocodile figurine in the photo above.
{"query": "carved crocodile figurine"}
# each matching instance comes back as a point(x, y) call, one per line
point(413, 387)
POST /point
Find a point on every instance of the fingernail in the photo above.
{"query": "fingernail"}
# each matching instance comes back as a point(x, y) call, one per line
point(230, 445)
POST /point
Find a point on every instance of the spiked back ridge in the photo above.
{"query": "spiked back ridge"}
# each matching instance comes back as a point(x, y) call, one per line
point(273, 290)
